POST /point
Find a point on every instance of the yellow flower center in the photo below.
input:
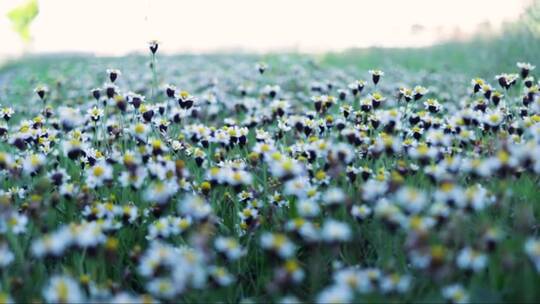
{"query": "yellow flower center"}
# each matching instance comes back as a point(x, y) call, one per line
point(98, 171)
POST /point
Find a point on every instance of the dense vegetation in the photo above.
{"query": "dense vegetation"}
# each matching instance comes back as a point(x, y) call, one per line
point(273, 178)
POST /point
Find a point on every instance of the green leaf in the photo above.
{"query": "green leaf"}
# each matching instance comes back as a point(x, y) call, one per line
point(22, 16)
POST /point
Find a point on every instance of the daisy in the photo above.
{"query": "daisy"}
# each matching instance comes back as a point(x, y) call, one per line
point(41, 91)
point(95, 113)
point(396, 283)
point(113, 74)
point(68, 190)
point(376, 75)
point(195, 206)
point(470, 259)
point(96, 93)
point(432, 105)
point(6, 256)
point(70, 118)
point(303, 228)
point(377, 99)
point(229, 247)
point(455, 293)
point(140, 131)
point(532, 249)
point(160, 192)
point(33, 163)
point(506, 80)
point(419, 92)
point(98, 174)
point(59, 176)
point(335, 294)
point(133, 178)
point(411, 199)
point(334, 196)
point(129, 212)
point(221, 276)
point(63, 289)
point(356, 86)
point(297, 187)
point(308, 208)
point(291, 271)
point(87, 235)
point(278, 243)
point(160, 228)
point(6, 113)
point(525, 68)
point(162, 288)
point(261, 67)
point(335, 231)
point(361, 212)
point(153, 45)
point(17, 223)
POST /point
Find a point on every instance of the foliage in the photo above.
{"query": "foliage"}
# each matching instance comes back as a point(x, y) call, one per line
point(22, 16)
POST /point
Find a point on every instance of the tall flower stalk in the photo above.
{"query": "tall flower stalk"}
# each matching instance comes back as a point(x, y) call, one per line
point(153, 46)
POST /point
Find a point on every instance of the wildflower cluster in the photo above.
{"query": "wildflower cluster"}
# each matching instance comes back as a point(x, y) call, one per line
point(225, 178)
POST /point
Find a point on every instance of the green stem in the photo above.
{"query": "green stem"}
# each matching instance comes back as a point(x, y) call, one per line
point(154, 76)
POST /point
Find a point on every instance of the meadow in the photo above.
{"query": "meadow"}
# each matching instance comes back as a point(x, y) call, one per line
point(373, 175)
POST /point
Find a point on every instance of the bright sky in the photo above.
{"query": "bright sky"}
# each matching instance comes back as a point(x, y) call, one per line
point(120, 26)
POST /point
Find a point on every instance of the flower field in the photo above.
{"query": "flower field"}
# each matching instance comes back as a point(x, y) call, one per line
point(238, 178)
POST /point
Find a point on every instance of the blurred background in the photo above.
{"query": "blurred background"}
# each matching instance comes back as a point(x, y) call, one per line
point(117, 27)
point(469, 30)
